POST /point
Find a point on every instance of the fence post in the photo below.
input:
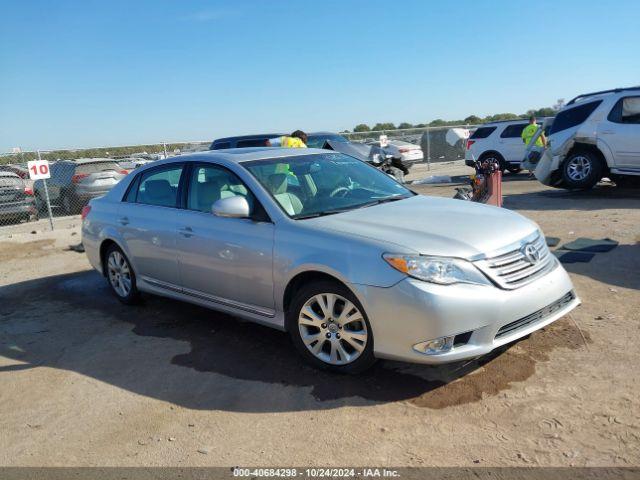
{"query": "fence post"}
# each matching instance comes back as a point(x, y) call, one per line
point(46, 194)
point(428, 150)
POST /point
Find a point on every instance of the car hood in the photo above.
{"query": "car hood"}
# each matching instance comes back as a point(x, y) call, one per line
point(433, 226)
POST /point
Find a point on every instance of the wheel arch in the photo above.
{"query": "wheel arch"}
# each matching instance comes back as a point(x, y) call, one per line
point(589, 147)
point(104, 247)
point(304, 278)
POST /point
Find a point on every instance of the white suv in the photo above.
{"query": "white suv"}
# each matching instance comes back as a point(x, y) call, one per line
point(593, 136)
point(499, 141)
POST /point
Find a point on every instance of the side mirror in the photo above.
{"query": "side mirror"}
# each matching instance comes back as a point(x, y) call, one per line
point(232, 207)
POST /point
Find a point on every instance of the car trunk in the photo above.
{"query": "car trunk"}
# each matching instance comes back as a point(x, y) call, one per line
point(12, 191)
point(97, 177)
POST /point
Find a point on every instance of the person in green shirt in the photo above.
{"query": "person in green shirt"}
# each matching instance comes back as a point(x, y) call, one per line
point(527, 135)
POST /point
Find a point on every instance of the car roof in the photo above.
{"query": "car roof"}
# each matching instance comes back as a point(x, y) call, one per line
point(595, 95)
point(517, 120)
point(248, 137)
point(81, 161)
point(239, 155)
point(4, 173)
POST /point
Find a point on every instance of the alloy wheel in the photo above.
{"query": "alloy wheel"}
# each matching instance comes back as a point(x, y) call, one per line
point(119, 273)
point(332, 328)
point(579, 168)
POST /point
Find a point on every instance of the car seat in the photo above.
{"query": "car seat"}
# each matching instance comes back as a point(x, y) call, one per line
point(278, 187)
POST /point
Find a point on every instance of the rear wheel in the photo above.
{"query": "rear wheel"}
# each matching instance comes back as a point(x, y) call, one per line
point(495, 157)
point(581, 170)
point(120, 276)
point(330, 329)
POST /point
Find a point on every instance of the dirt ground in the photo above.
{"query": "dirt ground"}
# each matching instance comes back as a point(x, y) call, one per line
point(86, 381)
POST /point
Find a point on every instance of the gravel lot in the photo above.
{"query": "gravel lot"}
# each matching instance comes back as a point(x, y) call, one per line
point(87, 381)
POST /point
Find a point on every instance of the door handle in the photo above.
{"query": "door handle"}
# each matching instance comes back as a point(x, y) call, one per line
point(124, 221)
point(186, 232)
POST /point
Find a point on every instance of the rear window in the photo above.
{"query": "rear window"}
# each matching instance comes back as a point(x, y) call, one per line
point(253, 142)
point(573, 116)
point(483, 132)
point(89, 168)
point(513, 131)
point(10, 182)
point(221, 146)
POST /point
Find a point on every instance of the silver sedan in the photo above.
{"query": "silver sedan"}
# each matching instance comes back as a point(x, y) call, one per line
point(352, 264)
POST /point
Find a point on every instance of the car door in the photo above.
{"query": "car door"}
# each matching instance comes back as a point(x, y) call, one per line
point(147, 222)
point(620, 131)
point(224, 260)
point(512, 147)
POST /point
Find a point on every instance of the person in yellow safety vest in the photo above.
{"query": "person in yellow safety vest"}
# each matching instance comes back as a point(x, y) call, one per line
point(297, 139)
point(530, 130)
point(527, 135)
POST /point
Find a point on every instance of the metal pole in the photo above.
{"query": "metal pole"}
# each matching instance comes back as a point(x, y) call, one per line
point(46, 194)
point(428, 150)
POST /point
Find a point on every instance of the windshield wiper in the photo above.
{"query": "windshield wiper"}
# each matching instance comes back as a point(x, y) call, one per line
point(354, 207)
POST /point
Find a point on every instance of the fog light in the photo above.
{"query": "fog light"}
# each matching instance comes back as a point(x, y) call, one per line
point(436, 346)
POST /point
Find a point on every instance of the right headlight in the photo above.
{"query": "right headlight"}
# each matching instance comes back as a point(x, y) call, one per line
point(440, 270)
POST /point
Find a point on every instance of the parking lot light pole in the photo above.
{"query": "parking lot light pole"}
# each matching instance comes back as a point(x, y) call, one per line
point(46, 194)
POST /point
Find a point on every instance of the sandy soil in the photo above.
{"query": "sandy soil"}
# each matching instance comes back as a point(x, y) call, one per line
point(87, 381)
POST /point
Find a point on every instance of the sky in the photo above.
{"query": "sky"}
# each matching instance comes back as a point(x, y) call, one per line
point(94, 73)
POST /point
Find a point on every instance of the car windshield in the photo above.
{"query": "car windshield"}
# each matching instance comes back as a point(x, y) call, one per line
point(317, 141)
point(314, 185)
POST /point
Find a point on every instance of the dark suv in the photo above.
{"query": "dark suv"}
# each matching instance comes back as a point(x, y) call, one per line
point(74, 183)
point(16, 199)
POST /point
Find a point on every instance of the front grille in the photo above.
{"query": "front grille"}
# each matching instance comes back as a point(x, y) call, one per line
point(536, 317)
point(513, 269)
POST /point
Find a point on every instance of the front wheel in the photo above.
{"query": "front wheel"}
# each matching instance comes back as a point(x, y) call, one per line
point(121, 277)
point(330, 329)
point(581, 170)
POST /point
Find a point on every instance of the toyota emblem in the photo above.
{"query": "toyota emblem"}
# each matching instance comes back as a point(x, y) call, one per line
point(531, 253)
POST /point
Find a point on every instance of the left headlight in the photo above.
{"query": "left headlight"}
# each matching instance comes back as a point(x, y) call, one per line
point(440, 270)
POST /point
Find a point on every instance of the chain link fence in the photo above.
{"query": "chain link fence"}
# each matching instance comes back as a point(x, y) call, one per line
point(78, 175)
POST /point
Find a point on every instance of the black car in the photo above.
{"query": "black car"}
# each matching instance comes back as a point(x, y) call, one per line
point(314, 140)
point(244, 141)
point(16, 199)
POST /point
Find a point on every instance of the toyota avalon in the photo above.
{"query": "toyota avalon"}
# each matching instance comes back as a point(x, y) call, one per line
point(353, 265)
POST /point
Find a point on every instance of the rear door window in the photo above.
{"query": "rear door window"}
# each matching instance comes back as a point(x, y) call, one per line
point(159, 186)
point(221, 146)
point(513, 131)
point(573, 116)
point(482, 132)
point(626, 110)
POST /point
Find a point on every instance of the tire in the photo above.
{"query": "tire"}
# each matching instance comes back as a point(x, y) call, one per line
point(340, 346)
point(496, 157)
point(514, 168)
point(581, 170)
point(120, 276)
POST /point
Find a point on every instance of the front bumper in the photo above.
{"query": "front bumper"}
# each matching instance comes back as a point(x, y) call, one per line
point(413, 311)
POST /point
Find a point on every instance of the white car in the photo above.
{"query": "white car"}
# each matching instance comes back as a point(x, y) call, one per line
point(593, 136)
point(409, 152)
point(499, 141)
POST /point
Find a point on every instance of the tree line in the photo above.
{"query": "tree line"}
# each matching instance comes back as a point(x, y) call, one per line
point(470, 120)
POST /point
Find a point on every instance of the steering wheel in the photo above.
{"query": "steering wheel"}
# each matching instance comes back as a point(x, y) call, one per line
point(343, 191)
